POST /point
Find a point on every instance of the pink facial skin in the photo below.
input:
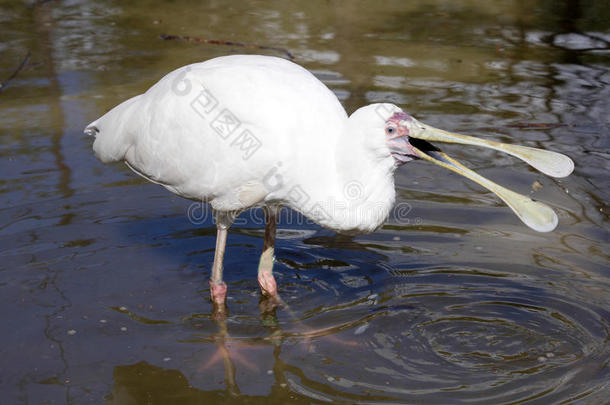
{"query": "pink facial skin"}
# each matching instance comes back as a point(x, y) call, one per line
point(397, 132)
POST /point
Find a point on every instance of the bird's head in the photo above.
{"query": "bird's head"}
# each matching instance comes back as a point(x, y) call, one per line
point(404, 147)
point(391, 134)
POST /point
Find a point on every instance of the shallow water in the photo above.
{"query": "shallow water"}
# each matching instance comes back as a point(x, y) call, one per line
point(103, 276)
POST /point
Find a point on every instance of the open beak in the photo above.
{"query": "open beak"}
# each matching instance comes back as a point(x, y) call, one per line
point(534, 214)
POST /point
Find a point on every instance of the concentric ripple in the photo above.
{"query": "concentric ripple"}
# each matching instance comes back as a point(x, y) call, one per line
point(471, 335)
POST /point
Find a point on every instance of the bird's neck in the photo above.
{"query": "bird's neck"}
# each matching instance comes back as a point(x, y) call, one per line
point(357, 194)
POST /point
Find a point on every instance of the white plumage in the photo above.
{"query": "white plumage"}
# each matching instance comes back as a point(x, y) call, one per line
point(167, 136)
point(243, 131)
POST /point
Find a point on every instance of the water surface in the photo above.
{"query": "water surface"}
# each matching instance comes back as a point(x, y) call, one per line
point(103, 276)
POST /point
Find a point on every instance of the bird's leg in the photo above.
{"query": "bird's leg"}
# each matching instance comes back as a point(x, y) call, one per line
point(218, 288)
point(265, 266)
point(269, 287)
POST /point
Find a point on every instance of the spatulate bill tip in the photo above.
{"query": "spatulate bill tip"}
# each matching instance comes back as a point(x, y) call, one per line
point(551, 163)
point(566, 168)
point(538, 217)
point(543, 228)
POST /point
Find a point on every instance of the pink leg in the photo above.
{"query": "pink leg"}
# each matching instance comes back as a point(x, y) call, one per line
point(218, 292)
point(265, 266)
point(267, 283)
point(218, 288)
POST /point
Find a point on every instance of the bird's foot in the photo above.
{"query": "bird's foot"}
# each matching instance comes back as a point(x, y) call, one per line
point(267, 283)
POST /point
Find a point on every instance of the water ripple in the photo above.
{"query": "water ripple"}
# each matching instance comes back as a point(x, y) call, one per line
point(483, 336)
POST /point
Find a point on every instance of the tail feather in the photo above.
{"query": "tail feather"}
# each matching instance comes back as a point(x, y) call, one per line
point(115, 132)
point(91, 129)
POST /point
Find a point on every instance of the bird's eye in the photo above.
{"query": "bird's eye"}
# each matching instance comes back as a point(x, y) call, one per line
point(390, 130)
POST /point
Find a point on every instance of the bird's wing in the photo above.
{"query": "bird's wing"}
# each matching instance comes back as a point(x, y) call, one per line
point(207, 129)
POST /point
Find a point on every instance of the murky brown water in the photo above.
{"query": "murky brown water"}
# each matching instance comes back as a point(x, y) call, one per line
point(103, 277)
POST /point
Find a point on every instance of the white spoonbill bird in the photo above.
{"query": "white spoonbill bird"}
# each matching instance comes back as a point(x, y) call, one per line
point(247, 131)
